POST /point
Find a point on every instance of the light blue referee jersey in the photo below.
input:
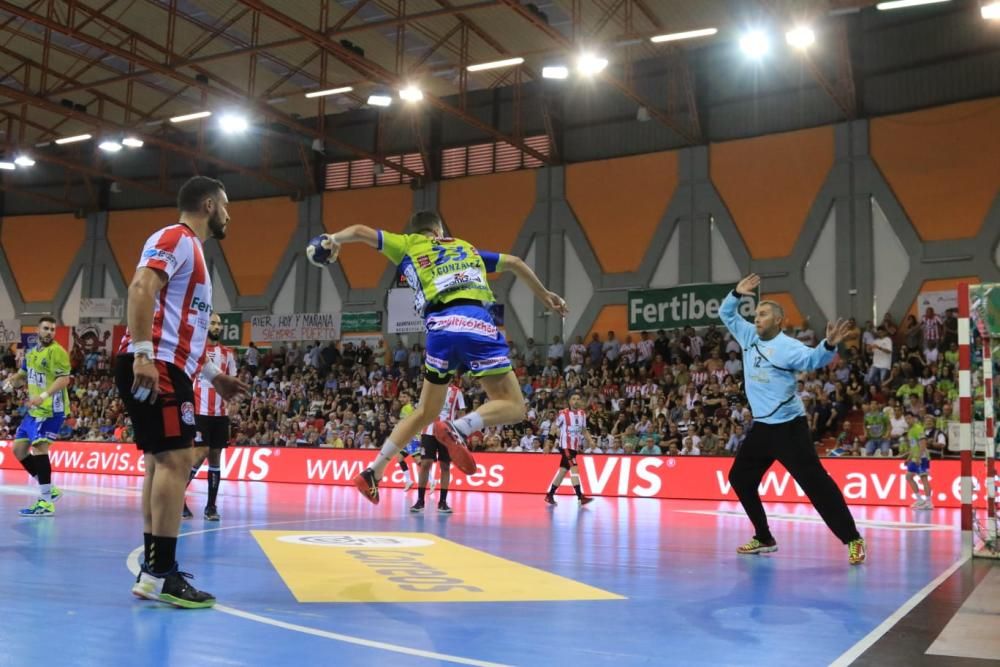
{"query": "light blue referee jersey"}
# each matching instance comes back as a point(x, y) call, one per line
point(770, 366)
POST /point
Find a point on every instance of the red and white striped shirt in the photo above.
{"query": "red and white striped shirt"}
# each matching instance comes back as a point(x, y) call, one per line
point(453, 402)
point(184, 306)
point(207, 401)
point(572, 424)
point(933, 327)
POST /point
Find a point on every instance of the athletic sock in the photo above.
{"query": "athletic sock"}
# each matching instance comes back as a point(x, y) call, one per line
point(162, 555)
point(214, 478)
point(469, 424)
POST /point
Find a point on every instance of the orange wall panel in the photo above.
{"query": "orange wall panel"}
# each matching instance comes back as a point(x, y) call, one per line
point(488, 211)
point(619, 203)
point(942, 164)
point(613, 317)
point(769, 184)
point(793, 316)
point(257, 238)
point(386, 208)
point(39, 277)
point(128, 231)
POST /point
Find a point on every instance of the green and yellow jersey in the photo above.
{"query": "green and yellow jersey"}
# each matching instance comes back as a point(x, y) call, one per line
point(43, 366)
point(440, 270)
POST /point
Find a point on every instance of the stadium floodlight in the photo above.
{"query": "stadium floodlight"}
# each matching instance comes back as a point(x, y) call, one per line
point(379, 100)
point(232, 123)
point(411, 94)
point(755, 44)
point(800, 37)
point(24, 161)
point(8, 166)
point(110, 146)
point(589, 64)
point(132, 142)
point(689, 34)
point(990, 11)
point(555, 72)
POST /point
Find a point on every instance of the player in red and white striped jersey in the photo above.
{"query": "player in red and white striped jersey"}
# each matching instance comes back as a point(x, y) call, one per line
point(432, 450)
point(571, 429)
point(211, 419)
point(169, 306)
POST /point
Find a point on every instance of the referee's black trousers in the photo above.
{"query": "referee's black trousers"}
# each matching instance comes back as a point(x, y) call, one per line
point(789, 443)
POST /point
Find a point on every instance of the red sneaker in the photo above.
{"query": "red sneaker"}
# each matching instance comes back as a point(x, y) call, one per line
point(448, 435)
point(367, 485)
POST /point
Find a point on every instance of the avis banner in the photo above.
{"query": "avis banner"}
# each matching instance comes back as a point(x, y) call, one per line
point(863, 481)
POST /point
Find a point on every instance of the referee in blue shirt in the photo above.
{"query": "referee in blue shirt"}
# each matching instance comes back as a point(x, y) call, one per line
point(771, 361)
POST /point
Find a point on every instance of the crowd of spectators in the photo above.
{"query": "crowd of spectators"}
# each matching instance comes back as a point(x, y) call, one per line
point(663, 393)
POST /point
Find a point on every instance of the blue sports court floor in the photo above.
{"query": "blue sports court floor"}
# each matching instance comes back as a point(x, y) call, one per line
point(316, 575)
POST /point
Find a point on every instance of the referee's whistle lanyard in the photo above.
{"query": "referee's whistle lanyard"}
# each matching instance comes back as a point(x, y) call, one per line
point(784, 402)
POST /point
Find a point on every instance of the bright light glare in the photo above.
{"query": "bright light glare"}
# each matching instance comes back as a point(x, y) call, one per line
point(555, 72)
point(991, 12)
point(411, 94)
point(233, 124)
point(690, 34)
point(8, 166)
point(379, 100)
point(110, 146)
point(24, 161)
point(800, 37)
point(589, 64)
point(755, 44)
point(132, 142)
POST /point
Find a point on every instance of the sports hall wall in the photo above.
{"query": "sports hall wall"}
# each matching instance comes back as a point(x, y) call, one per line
point(845, 219)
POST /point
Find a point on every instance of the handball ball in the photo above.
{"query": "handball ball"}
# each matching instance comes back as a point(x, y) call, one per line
point(322, 251)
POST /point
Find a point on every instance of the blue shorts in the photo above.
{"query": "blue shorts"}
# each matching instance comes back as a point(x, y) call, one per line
point(921, 468)
point(39, 429)
point(465, 337)
point(413, 447)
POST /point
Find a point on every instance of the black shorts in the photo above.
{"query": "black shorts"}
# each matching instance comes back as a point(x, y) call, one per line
point(213, 432)
point(167, 424)
point(568, 459)
point(434, 450)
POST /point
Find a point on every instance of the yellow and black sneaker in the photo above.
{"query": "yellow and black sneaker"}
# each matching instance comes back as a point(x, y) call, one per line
point(367, 485)
point(856, 551)
point(171, 588)
point(755, 546)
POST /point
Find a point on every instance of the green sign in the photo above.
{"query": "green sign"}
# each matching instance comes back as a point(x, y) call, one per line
point(681, 306)
point(232, 328)
point(363, 322)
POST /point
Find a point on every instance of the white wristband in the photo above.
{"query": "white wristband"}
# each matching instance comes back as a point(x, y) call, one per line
point(44, 396)
point(209, 371)
point(143, 347)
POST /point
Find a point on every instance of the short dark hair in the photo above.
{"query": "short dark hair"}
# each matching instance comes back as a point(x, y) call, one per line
point(425, 221)
point(192, 193)
point(47, 318)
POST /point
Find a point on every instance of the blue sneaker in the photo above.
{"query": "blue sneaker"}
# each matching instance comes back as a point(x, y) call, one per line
point(40, 508)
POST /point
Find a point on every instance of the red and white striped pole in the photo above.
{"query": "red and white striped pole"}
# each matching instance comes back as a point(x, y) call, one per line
point(965, 411)
point(991, 507)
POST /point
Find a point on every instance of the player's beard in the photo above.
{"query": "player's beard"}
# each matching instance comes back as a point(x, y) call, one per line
point(216, 226)
point(214, 337)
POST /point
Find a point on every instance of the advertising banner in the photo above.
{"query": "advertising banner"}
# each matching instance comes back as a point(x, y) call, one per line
point(863, 481)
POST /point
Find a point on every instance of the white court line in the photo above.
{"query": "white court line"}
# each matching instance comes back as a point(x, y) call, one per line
point(868, 640)
point(132, 562)
point(806, 518)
